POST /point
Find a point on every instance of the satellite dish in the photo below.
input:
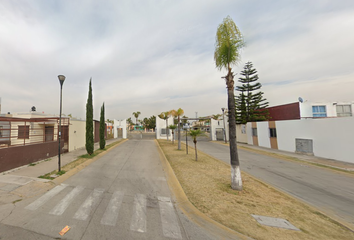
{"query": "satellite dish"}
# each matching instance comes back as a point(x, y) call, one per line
point(301, 100)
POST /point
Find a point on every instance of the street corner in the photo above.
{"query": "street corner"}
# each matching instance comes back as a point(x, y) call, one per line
point(32, 189)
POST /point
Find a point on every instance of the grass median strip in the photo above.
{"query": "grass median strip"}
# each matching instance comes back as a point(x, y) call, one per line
point(81, 159)
point(206, 183)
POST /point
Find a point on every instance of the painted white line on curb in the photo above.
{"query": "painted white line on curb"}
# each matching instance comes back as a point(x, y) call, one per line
point(46, 197)
point(90, 202)
point(60, 208)
point(111, 214)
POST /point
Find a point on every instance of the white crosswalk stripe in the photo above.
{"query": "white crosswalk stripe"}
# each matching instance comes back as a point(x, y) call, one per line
point(46, 197)
point(60, 208)
point(90, 202)
point(169, 220)
point(111, 214)
point(138, 222)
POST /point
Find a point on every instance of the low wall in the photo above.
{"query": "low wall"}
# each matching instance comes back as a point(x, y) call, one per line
point(14, 157)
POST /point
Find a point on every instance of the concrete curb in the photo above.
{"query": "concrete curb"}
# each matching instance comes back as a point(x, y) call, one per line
point(78, 168)
point(191, 211)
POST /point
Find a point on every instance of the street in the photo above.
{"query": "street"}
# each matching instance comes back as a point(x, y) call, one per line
point(123, 195)
point(331, 192)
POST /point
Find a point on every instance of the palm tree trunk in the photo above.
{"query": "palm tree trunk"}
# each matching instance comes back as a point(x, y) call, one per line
point(196, 152)
point(236, 181)
point(179, 134)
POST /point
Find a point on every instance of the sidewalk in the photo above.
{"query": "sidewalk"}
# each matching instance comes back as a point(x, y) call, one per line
point(23, 182)
point(44, 167)
point(303, 157)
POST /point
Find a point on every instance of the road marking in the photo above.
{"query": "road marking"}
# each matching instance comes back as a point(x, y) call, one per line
point(111, 214)
point(47, 196)
point(138, 222)
point(169, 220)
point(90, 202)
point(60, 208)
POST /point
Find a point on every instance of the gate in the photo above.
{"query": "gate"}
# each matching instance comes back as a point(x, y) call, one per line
point(120, 132)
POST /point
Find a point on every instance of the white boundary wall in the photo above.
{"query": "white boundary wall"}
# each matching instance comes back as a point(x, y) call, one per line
point(332, 138)
point(263, 134)
point(161, 123)
point(77, 134)
point(120, 124)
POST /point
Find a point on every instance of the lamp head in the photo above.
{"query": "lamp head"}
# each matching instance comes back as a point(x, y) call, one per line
point(61, 79)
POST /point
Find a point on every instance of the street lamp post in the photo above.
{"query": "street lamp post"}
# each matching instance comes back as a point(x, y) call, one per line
point(223, 119)
point(61, 81)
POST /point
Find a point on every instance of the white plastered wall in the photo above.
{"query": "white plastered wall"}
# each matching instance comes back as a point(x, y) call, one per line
point(332, 137)
point(161, 123)
point(77, 134)
point(120, 124)
point(241, 133)
point(263, 134)
point(249, 133)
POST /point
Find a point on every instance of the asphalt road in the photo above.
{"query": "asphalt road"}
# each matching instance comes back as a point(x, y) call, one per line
point(123, 195)
point(331, 192)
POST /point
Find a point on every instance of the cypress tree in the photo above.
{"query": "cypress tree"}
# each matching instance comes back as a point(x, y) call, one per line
point(102, 128)
point(89, 123)
point(250, 104)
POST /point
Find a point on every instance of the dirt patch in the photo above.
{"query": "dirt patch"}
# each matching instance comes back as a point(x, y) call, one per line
point(206, 183)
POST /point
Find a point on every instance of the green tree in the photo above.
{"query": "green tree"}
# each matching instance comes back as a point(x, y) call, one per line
point(216, 116)
point(102, 128)
point(173, 127)
point(250, 104)
point(229, 42)
point(136, 115)
point(194, 134)
point(89, 122)
point(150, 123)
point(130, 122)
point(241, 110)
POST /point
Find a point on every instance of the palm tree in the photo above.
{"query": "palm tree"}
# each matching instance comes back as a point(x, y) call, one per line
point(173, 127)
point(216, 116)
point(178, 114)
point(229, 42)
point(195, 134)
point(165, 116)
point(136, 115)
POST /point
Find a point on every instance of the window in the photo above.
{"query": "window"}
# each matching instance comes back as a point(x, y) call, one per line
point(0, 131)
point(344, 110)
point(163, 131)
point(49, 133)
point(319, 111)
point(254, 132)
point(23, 132)
point(272, 132)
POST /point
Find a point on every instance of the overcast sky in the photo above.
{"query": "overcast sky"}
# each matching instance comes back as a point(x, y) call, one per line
point(157, 55)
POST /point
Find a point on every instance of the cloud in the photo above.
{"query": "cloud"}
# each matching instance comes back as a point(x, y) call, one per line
point(157, 55)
